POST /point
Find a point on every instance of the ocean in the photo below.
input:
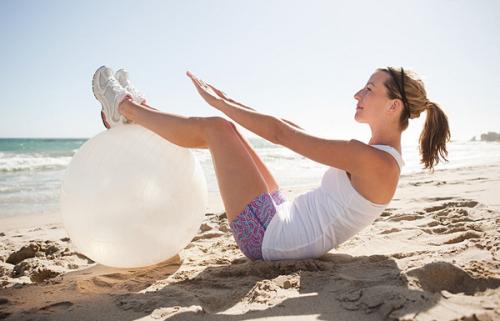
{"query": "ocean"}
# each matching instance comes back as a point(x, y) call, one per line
point(31, 170)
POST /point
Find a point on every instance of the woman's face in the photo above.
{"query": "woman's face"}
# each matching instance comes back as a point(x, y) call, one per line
point(372, 99)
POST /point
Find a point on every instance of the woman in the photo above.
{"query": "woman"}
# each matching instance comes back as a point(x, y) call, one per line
point(357, 187)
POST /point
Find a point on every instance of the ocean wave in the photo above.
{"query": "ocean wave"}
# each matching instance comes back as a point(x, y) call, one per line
point(20, 162)
point(10, 189)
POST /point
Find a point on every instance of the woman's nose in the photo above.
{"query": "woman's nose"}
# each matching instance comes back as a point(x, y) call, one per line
point(356, 95)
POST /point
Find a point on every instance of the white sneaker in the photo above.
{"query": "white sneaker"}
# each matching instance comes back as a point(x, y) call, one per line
point(122, 77)
point(110, 94)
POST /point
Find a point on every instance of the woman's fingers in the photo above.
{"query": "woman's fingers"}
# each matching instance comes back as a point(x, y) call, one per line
point(205, 91)
point(198, 82)
point(194, 79)
point(222, 94)
point(190, 75)
point(218, 92)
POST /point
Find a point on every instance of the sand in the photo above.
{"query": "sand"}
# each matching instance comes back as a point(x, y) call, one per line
point(434, 254)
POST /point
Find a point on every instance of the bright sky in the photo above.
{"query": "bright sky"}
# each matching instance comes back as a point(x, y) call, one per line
point(300, 60)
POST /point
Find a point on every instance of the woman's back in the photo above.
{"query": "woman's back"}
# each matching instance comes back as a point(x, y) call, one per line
point(321, 219)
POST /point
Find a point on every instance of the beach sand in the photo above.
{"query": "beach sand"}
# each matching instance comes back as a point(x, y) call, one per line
point(434, 254)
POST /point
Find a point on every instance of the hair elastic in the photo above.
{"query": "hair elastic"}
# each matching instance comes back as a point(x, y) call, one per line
point(401, 89)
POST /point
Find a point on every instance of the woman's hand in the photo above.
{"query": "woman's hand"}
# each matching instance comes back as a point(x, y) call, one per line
point(213, 96)
point(218, 99)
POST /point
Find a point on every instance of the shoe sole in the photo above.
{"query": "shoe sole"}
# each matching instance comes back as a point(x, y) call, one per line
point(94, 81)
point(94, 87)
point(104, 121)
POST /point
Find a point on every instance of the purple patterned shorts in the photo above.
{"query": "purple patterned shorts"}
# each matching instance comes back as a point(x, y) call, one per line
point(251, 224)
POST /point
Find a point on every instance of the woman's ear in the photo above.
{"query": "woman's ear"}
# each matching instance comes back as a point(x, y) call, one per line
point(392, 105)
point(396, 104)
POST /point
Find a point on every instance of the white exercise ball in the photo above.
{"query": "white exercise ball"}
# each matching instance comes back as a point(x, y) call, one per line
point(130, 198)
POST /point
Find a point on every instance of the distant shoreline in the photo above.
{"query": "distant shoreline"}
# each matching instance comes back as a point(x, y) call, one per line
point(487, 137)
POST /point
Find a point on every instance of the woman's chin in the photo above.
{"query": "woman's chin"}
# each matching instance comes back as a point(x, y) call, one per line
point(358, 118)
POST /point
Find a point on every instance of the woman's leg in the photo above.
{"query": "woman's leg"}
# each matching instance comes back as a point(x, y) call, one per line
point(180, 130)
point(271, 183)
point(237, 174)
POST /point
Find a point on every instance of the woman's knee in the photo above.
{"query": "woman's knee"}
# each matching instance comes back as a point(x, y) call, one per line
point(218, 125)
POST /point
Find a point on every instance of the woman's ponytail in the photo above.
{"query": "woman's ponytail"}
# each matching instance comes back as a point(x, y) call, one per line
point(434, 136)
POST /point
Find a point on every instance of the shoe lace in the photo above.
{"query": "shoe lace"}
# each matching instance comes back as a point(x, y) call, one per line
point(132, 89)
point(113, 83)
point(115, 86)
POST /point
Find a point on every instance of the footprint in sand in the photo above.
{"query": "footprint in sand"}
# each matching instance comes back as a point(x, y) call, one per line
point(405, 217)
point(392, 230)
point(435, 183)
point(439, 276)
point(477, 179)
point(208, 235)
point(465, 203)
point(437, 199)
point(387, 212)
point(490, 243)
point(453, 217)
point(420, 183)
point(463, 237)
point(57, 306)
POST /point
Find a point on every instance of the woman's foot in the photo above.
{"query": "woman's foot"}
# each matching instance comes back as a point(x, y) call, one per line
point(124, 80)
point(108, 91)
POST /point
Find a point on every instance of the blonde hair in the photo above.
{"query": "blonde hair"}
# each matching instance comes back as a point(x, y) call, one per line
point(407, 86)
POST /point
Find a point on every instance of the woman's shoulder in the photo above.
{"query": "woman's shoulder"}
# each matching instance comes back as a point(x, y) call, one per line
point(395, 153)
point(375, 160)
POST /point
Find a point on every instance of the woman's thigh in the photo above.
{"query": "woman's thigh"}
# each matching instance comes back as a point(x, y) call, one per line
point(238, 177)
point(272, 184)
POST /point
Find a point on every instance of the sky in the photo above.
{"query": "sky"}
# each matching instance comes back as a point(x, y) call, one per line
point(298, 60)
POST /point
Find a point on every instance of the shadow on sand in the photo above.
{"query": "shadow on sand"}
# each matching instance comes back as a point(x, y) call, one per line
point(333, 287)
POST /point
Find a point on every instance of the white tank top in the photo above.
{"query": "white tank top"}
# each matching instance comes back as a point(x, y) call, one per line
point(319, 220)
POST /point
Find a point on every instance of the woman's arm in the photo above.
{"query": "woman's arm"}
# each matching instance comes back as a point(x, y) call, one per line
point(286, 121)
point(292, 124)
point(266, 126)
point(352, 156)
